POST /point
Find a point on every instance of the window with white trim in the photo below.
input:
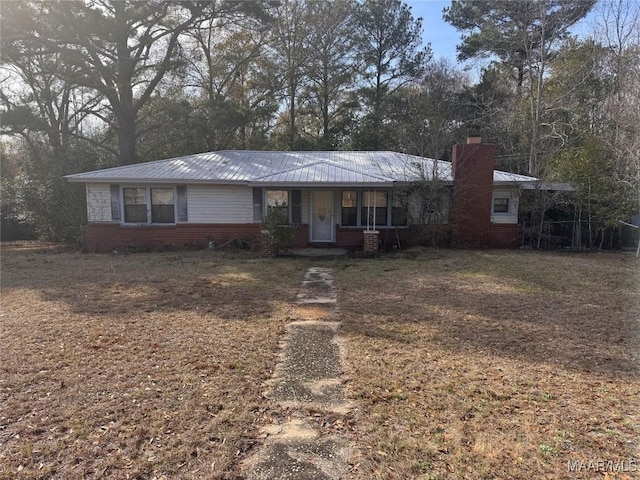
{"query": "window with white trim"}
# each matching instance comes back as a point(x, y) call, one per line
point(501, 205)
point(149, 205)
point(369, 207)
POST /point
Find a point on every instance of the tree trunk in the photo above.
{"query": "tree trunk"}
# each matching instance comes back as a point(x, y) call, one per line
point(125, 112)
point(292, 113)
point(126, 139)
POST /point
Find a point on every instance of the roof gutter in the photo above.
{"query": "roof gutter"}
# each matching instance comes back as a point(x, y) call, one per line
point(555, 186)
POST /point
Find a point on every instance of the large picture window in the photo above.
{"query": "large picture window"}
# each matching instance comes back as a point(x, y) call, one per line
point(149, 205)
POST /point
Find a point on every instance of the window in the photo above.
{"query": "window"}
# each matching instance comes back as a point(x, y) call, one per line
point(399, 208)
point(279, 199)
point(358, 208)
point(135, 205)
point(501, 205)
point(373, 203)
point(162, 210)
point(140, 203)
point(349, 208)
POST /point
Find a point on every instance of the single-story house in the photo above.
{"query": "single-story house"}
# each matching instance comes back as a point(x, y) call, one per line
point(334, 197)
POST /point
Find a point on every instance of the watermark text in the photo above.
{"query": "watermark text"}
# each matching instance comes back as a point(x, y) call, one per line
point(603, 466)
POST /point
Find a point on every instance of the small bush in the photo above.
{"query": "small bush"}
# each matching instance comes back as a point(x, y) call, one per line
point(277, 234)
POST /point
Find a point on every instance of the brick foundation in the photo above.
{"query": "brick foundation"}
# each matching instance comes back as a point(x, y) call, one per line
point(505, 235)
point(106, 237)
point(349, 237)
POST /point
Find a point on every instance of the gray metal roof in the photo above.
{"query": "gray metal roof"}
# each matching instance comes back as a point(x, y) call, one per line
point(286, 168)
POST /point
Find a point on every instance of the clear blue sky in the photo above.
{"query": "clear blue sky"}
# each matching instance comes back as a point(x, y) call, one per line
point(444, 38)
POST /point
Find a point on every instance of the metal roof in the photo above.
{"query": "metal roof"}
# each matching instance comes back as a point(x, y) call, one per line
point(286, 168)
point(322, 172)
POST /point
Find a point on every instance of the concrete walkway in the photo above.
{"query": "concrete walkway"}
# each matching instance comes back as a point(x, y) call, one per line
point(308, 384)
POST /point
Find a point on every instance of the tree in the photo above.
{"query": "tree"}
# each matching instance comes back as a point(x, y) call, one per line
point(524, 36)
point(233, 77)
point(513, 31)
point(425, 118)
point(597, 197)
point(388, 46)
point(331, 68)
point(119, 49)
point(289, 48)
point(618, 31)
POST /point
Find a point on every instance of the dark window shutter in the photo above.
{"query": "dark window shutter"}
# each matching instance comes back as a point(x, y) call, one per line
point(182, 203)
point(115, 202)
point(257, 204)
point(296, 207)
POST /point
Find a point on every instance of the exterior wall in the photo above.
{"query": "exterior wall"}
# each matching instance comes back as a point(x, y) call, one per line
point(219, 204)
point(105, 237)
point(222, 213)
point(349, 237)
point(305, 205)
point(98, 202)
point(505, 235)
point(512, 215)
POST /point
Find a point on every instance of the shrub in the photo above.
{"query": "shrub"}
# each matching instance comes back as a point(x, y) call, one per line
point(277, 234)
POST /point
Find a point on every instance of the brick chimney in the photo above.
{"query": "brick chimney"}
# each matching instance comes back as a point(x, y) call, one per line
point(472, 169)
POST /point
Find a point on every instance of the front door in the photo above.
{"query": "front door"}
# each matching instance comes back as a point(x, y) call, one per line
point(322, 216)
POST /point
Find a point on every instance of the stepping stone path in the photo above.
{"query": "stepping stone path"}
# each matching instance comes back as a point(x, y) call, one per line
point(308, 384)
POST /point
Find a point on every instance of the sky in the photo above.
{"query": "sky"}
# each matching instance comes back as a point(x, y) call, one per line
point(444, 38)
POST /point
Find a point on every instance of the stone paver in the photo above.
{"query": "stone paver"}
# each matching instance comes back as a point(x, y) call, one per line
point(309, 378)
point(317, 288)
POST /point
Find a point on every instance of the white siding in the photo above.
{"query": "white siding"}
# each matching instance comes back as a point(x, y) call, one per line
point(98, 202)
point(512, 215)
point(219, 204)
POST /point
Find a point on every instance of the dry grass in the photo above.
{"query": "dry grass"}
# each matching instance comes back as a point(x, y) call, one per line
point(493, 365)
point(139, 366)
point(462, 365)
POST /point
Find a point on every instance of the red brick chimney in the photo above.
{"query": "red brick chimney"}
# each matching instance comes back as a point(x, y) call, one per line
point(472, 169)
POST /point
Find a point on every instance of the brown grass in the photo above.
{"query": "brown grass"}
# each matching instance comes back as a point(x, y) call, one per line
point(139, 366)
point(462, 365)
point(501, 365)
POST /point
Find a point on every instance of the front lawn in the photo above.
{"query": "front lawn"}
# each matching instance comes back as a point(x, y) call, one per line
point(138, 366)
point(494, 364)
point(460, 364)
